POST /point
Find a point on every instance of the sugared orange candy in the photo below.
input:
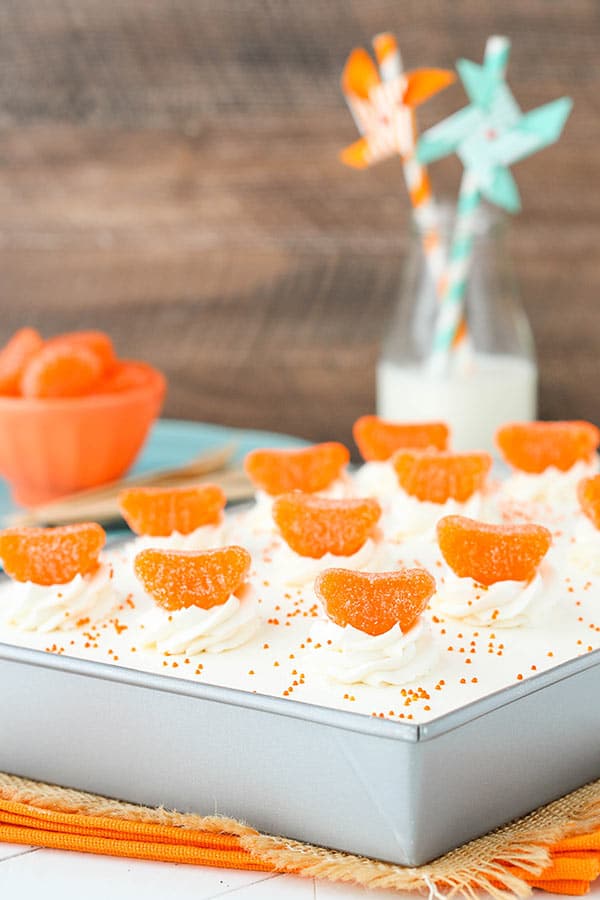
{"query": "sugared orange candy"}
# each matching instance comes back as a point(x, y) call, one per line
point(96, 341)
point(159, 511)
point(61, 370)
point(73, 364)
point(374, 602)
point(309, 469)
point(535, 446)
point(124, 376)
point(51, 555)
point(438, 477)
point(176, 579)
point(588, 492)
point(490, 553)
point(313, 526)
point(14, 356)
point(378, 440)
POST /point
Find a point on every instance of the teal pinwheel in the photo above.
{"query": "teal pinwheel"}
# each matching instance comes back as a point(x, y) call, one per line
point(488, 136)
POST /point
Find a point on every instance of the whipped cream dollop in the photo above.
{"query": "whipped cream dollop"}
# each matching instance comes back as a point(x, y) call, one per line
point(207, 537)
point(259, 519)
point(406, 516)
point(194, 630)
point(376, 479)
point(60, 607)
point(551, 488)
point(391, 658)
point(505, 604)
point(584, 552)
point(299, 570)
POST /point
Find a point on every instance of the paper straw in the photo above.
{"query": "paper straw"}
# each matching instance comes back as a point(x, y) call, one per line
point(459, 264)
point(417, 181)
point(418, 184)
point(387, 54)
point(497, 52)
point(389, 60)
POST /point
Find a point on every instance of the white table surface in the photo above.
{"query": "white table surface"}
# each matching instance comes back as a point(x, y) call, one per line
point(28, 872)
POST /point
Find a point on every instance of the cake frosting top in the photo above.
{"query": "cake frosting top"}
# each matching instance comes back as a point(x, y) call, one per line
point(295, 598)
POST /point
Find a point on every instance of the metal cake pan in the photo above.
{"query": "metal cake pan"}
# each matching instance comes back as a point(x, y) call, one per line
point(401, 792)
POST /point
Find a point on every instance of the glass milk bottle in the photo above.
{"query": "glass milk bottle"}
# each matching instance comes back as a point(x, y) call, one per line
point(490, 374)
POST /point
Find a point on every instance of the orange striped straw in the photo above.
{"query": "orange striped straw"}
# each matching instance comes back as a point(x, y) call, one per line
point(370, 93)
point(387, 54)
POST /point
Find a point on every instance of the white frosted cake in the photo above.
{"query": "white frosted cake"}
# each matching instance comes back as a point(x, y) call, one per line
point(322, 609)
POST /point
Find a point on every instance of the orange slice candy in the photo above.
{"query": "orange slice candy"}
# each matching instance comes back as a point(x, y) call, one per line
point(490, 553)
point(176, 579)
point(309, 469)
point(535, 446)
point(125, 375)
point(61, 370)
point(314, 526)
point(159, 511)
point(378, 440)
point(96, 341)
point(588, 492)
point(438, 477)
point(14, 356)
point(374, 602)
point(51, 555)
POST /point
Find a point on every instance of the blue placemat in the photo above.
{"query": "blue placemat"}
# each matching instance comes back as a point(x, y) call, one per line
point(172, 442)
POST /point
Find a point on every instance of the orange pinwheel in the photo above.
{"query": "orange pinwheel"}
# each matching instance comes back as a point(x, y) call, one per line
point(383, 104)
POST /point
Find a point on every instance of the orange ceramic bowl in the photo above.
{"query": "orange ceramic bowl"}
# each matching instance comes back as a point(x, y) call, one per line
point(52, 447)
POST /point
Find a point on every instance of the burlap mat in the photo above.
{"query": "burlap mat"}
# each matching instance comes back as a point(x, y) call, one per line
point(504, 863)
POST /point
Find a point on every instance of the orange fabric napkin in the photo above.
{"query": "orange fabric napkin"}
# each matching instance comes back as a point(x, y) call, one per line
point(575, 864)
point(21, 823)
point(575, 861)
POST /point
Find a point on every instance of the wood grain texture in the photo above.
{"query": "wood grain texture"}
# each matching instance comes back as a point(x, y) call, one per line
point(168, 171)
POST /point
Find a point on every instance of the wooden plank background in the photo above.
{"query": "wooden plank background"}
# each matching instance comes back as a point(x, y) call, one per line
point(168, 171)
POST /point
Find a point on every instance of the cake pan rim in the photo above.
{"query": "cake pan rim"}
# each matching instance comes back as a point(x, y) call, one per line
point(281, 706)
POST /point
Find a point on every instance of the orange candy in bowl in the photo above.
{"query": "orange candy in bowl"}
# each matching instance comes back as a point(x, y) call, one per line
point(72, 415)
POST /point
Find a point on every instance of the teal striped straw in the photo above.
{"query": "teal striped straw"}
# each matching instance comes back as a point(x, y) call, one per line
point(497, 51)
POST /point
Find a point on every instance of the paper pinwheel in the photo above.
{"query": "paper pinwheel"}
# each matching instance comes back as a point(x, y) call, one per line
point(488, 135)
point(492, 133)
point(383, 105)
